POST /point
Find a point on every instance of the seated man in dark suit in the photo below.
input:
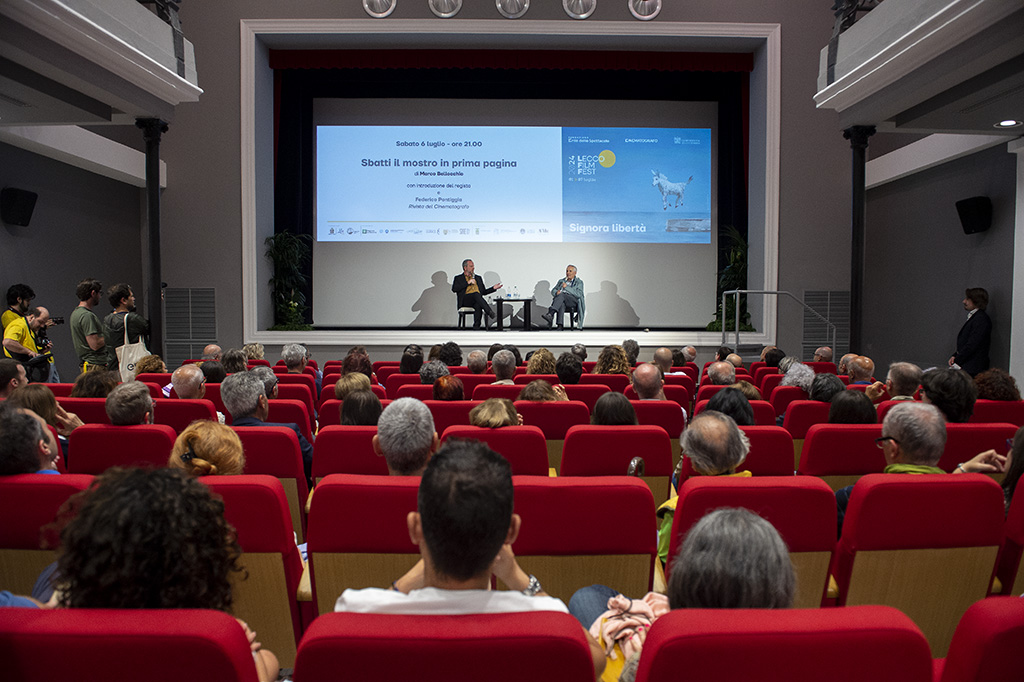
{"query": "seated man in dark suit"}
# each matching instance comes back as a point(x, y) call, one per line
point(470, 289)
point(244, 396)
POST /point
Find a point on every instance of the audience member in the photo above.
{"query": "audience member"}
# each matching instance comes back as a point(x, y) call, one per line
point(360, 408)
point(494, 413)
point(580, 351)
point(822, 354)
point(730, 559)
point(952, 391)
point(495, 347)
point(211, 352)
point(235, 361)
point(294, 356)
point(714, 446)
point(852, 407)
point(799, 375)
point(150, 364)
point(435, 352)
point(787, 362)
point(861, 369)
point(476, 362)
point(449, 387)
point(26, 445)
point(901, 382)
point(514, 349)
point(844, 364)
point(569, 369)
point(246, 399)
point(773, 356)
point(913, 439)
point(722, 353)
point(109, 559)
point(431, 371)
point(40, 399)
point(721, 373)
point(612, 360)
point(206, 448)
point(253, 351)
point(748, 389)
point(97, 383)
point(689, 355)
point(450, 354)
point(613, 409)
point(464, 528)
point(269, 379)
point(648, 383)
point(824, 386)
point(350, 383)
point(539, 390)
point(735, 360)
point(12, 376)
point(189, 382)
point(503, 364)
point(130, 404)
point(412, 360)
point(1014, 466)
point(406, 437)
point(542, 362)
point(663, 359)
point(213, 371)
point(733, 403)
point(632, 350)
point(996, 384)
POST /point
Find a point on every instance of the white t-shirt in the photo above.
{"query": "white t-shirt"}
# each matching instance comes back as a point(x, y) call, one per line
point(434, 601)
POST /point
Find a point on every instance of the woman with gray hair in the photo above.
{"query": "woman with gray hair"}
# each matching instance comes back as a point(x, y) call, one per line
point(730, 559)
point(800, 375)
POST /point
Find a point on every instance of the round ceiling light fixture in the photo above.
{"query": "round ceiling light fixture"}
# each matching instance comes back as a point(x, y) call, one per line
point(446, 9)
point(512, 9)
point(1008, 123)
point(378, 9)
point(579, 9)
point(644, 10)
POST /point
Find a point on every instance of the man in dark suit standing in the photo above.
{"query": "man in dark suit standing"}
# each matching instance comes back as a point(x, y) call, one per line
point(470, 289)
point(973, 340)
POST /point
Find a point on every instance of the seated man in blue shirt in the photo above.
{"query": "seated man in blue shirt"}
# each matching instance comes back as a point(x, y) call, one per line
point(244, 396)
point(27, 446)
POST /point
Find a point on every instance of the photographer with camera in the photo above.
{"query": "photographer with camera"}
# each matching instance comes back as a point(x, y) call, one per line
point(25, 341)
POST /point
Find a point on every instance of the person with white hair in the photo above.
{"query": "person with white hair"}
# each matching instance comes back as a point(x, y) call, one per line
point(406, 437)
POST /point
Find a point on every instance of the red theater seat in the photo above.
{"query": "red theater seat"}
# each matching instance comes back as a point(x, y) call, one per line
point(782, 396)
point(94, 448)
point(684, 380)
point(803, 414)
point(989, 411)
point(417, 391)
point(60, 390)
point(616, 382)
point(178, 413)
point(787, 645)
point(347, 450)
point(282, 411)
point(450, 412)
point(586, 393)
point(822, 367)
point(543, 646)
point(392, 383)
point(471, 381)
point(707, 390)
point(987, 643)
point(98, 645)
point(676, 394)
point(964, 441)
point(663, 413)
point(523, 446)
point(803, 510)
point(607, 450)
point(274, 451)
point(1010, 570)
point(486, 391)
point(524, 379)
point(841, 453)
point(89, 410)
point(769, 383)
point(764, 413)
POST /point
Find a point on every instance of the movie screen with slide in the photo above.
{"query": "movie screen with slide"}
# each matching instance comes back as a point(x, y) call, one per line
point(406, 188)
point(520, 184)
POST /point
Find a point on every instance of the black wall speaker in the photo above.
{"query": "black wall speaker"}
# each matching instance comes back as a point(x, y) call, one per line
point(975, 214)
point(16, 205)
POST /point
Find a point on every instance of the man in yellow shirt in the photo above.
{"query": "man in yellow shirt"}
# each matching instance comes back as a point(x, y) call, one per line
point(24, 340)
point(19, 298)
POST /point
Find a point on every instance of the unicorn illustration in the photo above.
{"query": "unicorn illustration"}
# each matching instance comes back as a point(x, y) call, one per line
point(669, 189)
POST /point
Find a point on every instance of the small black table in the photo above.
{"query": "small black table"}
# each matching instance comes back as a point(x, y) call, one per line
point(501, 301)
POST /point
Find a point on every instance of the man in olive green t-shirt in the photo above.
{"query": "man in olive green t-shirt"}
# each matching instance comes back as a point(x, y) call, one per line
point(87, 332)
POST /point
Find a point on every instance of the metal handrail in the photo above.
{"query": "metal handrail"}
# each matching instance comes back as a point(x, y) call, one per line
point(737, 292)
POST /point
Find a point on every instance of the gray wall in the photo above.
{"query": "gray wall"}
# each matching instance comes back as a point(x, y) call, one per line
point(919, 261)
point(84, 225)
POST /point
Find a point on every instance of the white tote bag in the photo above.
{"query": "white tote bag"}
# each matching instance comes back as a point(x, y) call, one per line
point(130, 353)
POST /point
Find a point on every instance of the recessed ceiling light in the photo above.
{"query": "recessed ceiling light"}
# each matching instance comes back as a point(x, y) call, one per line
point(1008, 123)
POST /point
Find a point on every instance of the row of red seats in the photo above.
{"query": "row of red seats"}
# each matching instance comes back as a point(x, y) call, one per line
point(858, 643)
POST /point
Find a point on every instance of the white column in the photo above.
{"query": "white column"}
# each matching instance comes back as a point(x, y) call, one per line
point(1017, 323)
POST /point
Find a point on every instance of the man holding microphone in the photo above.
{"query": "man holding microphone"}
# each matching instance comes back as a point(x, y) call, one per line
point(568, 295)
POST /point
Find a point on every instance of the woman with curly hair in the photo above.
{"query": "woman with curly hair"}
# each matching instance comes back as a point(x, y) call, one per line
point(206, 448)
point(150, 364)
point(541, 362)
point(253, 351)
point(151, 539)
point(95, 383)
point(612, 360)
point(996, 384)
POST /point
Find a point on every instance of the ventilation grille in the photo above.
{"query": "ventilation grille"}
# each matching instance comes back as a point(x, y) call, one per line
point(191, 323)
point(834, 306)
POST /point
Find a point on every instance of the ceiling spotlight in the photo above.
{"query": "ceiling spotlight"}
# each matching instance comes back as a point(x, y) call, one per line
point(378, 9)
point(1008, 123)
point(644, 10)
point(512, 9)
point(445, 9)
point(579, 9)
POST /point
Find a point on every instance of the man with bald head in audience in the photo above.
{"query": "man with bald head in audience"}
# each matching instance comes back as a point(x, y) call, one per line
point(212, 352)
point(844, 363)
point(823, 354)
point(734, 359)
point(861, 369)
point(721, 373)
point(189, 383)
point(647, 382)
point(663, 359)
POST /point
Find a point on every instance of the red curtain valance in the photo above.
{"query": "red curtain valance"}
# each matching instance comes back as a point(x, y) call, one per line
point(511, 59)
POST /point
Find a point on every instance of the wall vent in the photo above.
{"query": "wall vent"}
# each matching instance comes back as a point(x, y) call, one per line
point(191, 316)
point(835, 307)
